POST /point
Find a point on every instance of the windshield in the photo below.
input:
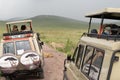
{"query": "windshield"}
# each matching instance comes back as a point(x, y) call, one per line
point(22, 46)
point(9, 47)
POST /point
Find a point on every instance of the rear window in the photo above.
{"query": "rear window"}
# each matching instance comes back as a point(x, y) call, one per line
point(22, 46)
point(16, 47)
point(8, 48)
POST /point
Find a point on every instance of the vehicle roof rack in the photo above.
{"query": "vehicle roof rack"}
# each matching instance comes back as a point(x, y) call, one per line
point(15, 22)
point(17, 33)
point(113, 29)
point(107, 37)
point(107, 13)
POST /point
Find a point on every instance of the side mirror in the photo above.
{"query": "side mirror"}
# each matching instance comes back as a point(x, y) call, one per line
point(38, 36)
point(116, 58)
point(69, 57)
point(42, 43)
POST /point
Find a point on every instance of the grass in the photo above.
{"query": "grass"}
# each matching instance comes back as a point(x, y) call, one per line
point(68, 39)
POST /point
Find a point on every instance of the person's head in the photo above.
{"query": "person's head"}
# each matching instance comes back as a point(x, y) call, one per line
point(23, 27)
point(15, 28)
point(94, 31)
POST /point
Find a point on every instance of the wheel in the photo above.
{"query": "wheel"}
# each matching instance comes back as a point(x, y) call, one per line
point(40, 73)
point(9, 78)
point(64, 76)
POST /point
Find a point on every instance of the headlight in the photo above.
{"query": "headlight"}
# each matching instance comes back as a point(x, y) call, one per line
point(30, 60)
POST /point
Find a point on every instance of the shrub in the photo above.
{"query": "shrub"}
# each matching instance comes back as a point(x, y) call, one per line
point(68, 47)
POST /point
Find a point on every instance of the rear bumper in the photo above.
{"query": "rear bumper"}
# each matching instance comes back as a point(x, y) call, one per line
point(23, 72)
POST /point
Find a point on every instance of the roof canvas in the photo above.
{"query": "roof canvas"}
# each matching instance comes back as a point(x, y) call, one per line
point(108, 13)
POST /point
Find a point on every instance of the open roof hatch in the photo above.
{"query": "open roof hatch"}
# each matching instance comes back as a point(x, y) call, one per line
point(107, 13)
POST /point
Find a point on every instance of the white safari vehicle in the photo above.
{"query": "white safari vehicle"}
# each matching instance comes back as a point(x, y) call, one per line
point(21, 51)
point(96, 57)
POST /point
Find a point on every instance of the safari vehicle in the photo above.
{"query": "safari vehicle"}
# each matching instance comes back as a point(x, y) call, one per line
point(96, 57)
point(21, 51)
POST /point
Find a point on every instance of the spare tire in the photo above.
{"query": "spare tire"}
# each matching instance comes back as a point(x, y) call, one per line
point(30, 60)
point(8, 63)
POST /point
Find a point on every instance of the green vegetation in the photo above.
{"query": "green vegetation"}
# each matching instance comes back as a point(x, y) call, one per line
point(59, 32)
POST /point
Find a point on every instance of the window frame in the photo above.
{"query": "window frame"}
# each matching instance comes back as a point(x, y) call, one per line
point(79, 56)
point(76, 56)
point(94, 48)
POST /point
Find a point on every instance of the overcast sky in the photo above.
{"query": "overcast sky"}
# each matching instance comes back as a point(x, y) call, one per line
point(75, 9)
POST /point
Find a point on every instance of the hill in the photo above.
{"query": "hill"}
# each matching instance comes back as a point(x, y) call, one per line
point(49, 21)
point(57, 22)
point(52, 22)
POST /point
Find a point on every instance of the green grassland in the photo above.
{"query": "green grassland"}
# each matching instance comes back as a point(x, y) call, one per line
point(59, 32)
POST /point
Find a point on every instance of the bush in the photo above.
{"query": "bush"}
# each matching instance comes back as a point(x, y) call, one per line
point(68, 47)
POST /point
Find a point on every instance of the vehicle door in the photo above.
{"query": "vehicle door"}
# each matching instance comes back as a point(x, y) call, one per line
point(73, 69)
point(115, 67)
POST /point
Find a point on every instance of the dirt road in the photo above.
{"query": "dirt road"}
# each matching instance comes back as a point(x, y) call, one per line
point(54, 61)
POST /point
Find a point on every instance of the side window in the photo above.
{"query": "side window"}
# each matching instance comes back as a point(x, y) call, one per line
point(77, 57)
point(75, 54)
point(92, 62)
point(87, 60)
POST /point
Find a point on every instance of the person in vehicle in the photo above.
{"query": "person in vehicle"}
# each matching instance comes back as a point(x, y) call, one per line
point(110, 29)
point(23, 28)
point(15, 28)
point(94, 31)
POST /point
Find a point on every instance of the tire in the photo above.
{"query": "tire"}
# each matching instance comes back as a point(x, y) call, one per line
point(9, 77)
point(40, 73)
point(64, 76)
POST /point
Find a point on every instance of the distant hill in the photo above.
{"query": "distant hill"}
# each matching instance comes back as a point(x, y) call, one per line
point(53, 22)
point(48, 21)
